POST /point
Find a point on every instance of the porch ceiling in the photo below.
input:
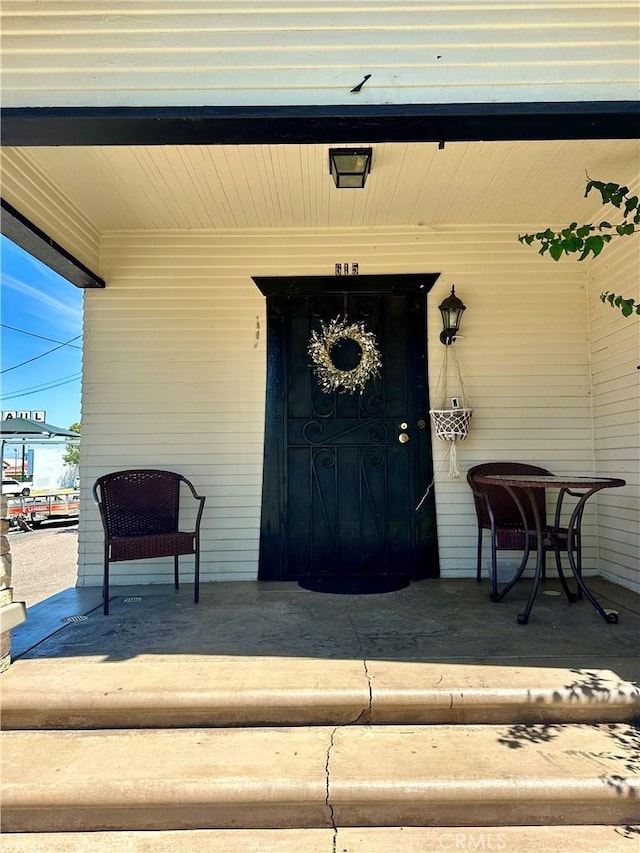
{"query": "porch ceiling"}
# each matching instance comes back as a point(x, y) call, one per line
point(284, 186)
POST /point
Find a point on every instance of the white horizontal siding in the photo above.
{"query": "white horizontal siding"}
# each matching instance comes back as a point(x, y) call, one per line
point(616, 408)
point(106, 53)
point(174, 375)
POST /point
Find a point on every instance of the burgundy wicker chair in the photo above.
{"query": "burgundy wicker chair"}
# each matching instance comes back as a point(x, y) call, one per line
point(498, 513)
point(140, 515)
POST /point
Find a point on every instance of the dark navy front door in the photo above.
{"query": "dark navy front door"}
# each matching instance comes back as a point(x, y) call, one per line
point(344, 472)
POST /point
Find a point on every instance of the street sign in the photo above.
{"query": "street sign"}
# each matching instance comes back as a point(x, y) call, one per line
point(40, 415)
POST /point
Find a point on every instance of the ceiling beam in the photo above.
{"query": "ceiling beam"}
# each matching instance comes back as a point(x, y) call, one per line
point(45, 126)
point(33, 240)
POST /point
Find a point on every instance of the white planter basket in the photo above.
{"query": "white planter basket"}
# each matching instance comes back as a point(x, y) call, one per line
point(451, 424)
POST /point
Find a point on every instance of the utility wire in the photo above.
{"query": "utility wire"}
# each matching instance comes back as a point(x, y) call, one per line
point(42, 355)
point(35, 389)
point(33, 335)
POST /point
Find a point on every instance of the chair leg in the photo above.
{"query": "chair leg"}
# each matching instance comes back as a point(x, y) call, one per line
point(479, 557)
point(494, 566)
point(176, 576)
point(196, 579)
point(578, 544)
point(563, 581)
point(105, 585)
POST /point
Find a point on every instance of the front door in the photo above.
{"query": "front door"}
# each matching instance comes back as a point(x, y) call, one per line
point(345, 471)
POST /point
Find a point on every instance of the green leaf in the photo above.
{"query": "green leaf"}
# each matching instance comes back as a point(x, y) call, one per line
point(595, 243)
point(605, 225)
point(625, 228)
point(583, 231)
point(555, 250)
point(630, 205)
point(597, 185)
point(627, 307)
point(572, 244)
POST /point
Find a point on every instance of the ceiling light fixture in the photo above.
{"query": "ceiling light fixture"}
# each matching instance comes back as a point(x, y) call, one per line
point(349, 167)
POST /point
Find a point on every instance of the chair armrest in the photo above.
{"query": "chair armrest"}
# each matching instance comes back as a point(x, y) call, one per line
point(198, 497)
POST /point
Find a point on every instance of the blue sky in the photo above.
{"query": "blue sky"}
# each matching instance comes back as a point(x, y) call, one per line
point(39, 310)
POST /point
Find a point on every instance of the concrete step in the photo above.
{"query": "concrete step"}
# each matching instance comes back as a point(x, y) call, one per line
point(407, 839)
point(320, 777)
point(254, 691)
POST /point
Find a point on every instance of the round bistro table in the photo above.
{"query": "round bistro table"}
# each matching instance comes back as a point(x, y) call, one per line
point(582, 488)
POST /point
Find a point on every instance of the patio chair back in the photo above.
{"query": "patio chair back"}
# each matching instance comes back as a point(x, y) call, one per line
point(496, 509)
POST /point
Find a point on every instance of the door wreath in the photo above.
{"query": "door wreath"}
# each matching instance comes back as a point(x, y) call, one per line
point(332, 378)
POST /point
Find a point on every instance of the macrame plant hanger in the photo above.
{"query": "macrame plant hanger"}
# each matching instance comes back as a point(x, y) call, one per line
point(452, 420)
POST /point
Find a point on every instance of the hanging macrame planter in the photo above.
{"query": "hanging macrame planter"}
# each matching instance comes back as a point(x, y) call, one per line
point(332, 378)
point(451, 424)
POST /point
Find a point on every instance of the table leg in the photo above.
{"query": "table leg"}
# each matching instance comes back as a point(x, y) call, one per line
point(574, 529)
point(498, 596)
point(523, 618)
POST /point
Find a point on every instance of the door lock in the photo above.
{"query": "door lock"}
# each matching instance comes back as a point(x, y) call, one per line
point(403, 438)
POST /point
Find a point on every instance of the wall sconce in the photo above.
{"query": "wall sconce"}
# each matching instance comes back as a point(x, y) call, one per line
point(451, 309)
point(349, 167)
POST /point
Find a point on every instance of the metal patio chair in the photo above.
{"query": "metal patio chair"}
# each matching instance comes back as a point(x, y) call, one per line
point(497, 512)
point(140, 512)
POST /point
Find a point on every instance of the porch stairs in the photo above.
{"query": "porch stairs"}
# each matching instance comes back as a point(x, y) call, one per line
point(316, 756)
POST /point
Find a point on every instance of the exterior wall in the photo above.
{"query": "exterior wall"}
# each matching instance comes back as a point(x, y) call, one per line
point(615, 355)
point(174, 369)
point(145, 53)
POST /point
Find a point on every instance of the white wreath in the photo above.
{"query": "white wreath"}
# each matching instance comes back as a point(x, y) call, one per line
point(330, 377)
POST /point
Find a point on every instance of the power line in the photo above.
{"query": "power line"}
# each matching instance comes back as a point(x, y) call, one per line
point(35, 389)
point(42, 337)
point(42, 355)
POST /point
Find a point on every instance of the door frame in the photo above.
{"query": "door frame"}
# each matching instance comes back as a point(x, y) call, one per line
point(273, 509)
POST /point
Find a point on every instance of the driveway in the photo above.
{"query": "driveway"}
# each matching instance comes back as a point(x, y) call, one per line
point(44, 561)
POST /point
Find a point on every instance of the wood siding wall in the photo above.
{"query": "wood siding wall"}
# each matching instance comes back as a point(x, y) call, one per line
point(174, 370)
point(616, 409)
point(141, 53)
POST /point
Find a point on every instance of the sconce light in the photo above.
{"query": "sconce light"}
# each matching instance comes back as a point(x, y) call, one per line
point(451, 309)
point(349, 167)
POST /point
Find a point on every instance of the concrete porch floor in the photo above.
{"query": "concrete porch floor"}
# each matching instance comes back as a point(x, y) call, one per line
point(256, 714)
point(429, 621)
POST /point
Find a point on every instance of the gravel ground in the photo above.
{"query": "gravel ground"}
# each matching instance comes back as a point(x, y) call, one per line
point(44, 561)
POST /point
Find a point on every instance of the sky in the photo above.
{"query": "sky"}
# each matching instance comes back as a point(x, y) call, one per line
point(39, 311)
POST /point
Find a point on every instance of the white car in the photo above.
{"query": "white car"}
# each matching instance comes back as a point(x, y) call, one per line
point(15, 488)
